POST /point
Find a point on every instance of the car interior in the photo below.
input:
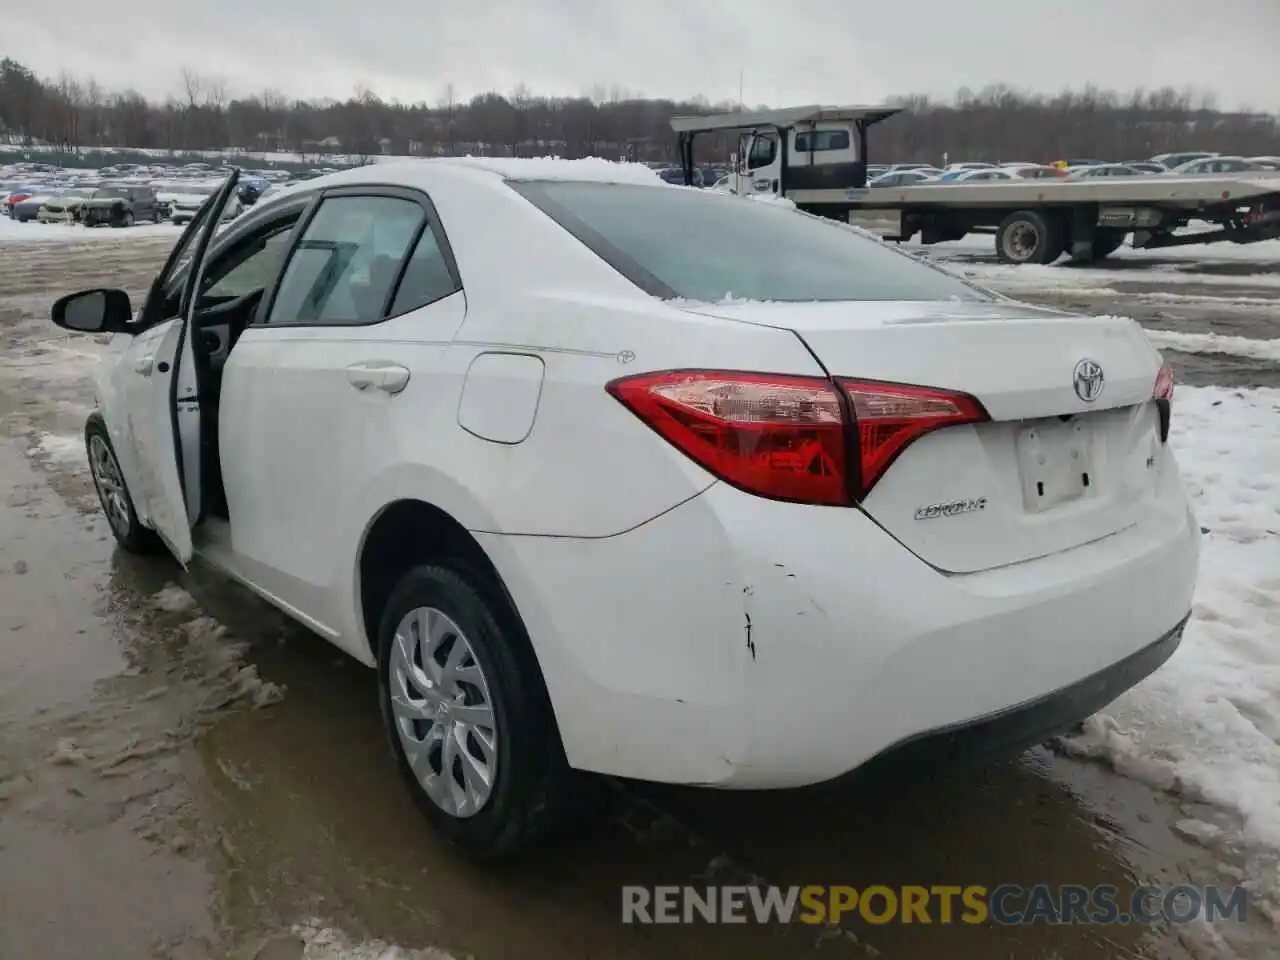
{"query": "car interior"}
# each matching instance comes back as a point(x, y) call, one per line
point(231, 292)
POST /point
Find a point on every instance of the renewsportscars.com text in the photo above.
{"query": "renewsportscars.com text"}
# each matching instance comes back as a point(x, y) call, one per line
point(1007, 904)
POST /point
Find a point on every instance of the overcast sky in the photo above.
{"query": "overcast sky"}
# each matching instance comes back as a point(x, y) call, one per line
point(790, 51)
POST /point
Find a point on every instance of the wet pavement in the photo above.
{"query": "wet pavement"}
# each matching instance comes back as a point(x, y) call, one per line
point(186, 774)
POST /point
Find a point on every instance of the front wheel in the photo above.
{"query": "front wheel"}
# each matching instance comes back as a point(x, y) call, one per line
point(467, 713)
point(113, 494)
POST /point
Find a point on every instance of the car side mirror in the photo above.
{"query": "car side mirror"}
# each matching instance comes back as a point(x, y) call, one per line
point(94, 311)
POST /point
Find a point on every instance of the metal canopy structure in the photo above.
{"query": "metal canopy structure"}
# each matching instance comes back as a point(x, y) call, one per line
point(862, 117)
point(785, 117)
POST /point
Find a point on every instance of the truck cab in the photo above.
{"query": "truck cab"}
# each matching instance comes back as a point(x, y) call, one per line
point(781, 151)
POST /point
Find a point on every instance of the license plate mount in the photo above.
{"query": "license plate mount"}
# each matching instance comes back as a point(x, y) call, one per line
point(1055, 462)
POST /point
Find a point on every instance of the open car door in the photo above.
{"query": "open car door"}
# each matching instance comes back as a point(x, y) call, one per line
point(164, 401)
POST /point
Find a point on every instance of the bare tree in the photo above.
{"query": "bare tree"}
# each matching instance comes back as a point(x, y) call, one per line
point(998, 122)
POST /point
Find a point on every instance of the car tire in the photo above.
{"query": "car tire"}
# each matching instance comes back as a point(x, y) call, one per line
point(113, 492)
point(452, 610)
point(1106, 242)
point(1028, 236)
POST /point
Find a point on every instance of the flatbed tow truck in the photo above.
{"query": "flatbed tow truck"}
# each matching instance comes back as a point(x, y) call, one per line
point(817, 156)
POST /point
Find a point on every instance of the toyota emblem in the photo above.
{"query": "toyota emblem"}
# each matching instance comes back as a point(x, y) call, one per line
point(1088, 380)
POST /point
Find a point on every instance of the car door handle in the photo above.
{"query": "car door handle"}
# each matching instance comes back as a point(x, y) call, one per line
point(378, 375)
point(143, 365)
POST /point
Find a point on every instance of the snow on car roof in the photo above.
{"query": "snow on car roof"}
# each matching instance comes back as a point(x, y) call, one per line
point(595, 169)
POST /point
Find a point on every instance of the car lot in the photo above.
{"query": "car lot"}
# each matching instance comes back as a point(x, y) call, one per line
point(41, 194)
point(140, 740)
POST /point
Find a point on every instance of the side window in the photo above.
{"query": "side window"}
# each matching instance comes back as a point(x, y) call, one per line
point(763, 150)
point(426, 277)
point(819, 140)
point(346, 261)
point(248, 266)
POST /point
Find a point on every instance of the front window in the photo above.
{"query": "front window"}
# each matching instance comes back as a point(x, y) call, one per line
point(763, 150)
point(707, 247)
point(110, 193)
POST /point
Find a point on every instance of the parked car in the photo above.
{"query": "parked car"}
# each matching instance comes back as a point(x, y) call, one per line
point(28, 208)
point(251, 188)
point(15, 197)
point(971, 174)
point(1105, 170)
point(903, 178)
point(1216, 165)
point(184, 203)
point(120, 206)
point(1147, 166)
point(1036, 171)
point(62, 208)
point(1171, 160)
point(580, 511)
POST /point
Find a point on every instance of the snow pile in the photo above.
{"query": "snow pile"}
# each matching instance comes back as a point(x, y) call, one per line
point(1215, 343)
point(595, 169)
point(1206, 726)
point(60, 448)
point(324, 943)
point(171, 599)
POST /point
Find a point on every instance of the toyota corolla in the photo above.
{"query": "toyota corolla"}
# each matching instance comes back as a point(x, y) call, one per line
point(602, 474)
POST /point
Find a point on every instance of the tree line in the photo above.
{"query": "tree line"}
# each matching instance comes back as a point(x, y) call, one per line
point(998, 123)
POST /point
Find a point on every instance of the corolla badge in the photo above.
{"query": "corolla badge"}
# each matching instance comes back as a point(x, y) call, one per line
point(1088, 380)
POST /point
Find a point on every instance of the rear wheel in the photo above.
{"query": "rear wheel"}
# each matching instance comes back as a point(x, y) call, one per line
point(113, 494)
point(466, 712)
point(1029, 236)
point(1107, 242)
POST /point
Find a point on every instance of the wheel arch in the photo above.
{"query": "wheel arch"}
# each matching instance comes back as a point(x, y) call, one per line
point(408, 532)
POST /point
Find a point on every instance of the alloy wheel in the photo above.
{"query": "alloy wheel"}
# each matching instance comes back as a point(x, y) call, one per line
point(110, 485)
point(443, 713)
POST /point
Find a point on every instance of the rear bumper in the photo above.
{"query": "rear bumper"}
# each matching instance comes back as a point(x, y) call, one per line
point(745, 643)
point(1010, 731)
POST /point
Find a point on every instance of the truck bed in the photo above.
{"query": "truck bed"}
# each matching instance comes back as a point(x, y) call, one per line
point(1190, 192)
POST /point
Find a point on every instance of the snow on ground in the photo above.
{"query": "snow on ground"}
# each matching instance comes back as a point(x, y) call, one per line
point(1215, 343)
point(1206, 726)
point(13, 232)
point(1066, 277)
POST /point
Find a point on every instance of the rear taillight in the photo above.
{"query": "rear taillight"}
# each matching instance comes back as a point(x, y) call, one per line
point(775, 436)
point(788, 437)
point(1163, 395)
point(890, 416)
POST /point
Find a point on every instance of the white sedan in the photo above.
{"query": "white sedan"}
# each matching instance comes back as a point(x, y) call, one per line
point(602, 474)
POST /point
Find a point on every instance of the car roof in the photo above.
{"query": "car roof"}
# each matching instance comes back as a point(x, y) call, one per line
point(411, 173)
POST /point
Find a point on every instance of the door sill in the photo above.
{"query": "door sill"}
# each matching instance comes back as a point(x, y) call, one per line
point(213, 545)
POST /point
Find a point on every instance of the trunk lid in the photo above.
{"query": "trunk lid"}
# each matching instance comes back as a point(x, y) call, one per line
point(1051, 471)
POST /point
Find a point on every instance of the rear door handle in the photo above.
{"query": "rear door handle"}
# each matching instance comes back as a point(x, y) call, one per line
point(381, 375)
point(143, 364)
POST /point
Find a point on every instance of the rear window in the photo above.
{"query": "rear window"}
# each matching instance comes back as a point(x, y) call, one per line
point(691, 244)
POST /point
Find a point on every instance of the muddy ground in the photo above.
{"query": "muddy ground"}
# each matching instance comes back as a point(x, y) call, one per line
point(185, 774)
